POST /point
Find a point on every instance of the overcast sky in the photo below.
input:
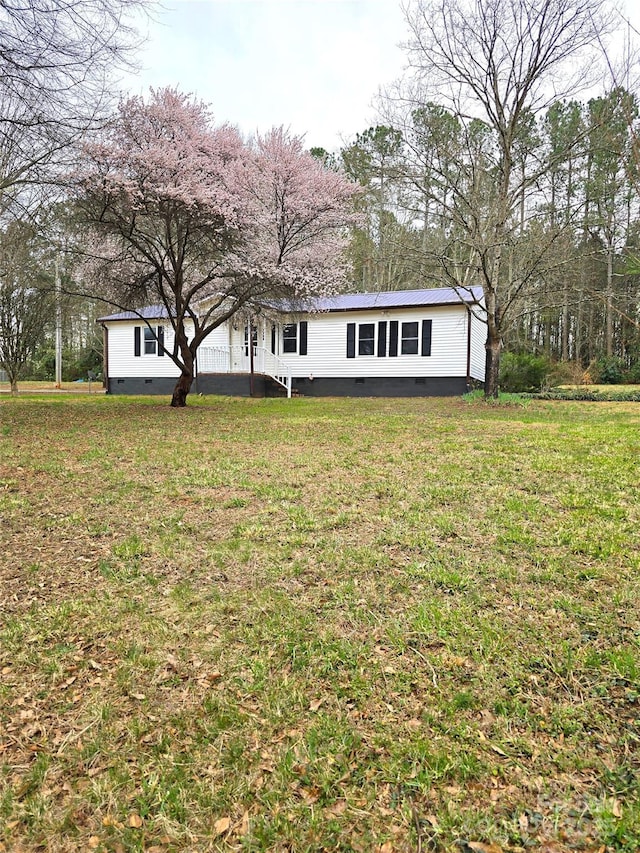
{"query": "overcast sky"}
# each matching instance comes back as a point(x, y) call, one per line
point(311, 65)
point(314, 66)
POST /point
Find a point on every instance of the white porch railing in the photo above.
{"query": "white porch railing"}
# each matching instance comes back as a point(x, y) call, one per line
point(236, 359)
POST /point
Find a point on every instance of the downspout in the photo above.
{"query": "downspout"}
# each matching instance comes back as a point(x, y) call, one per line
point(105, 357)
point(468, 348)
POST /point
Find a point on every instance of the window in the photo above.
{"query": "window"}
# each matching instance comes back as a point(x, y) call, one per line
point(409, 339)
point(294, 337)
point(150, 342)
point(366, 338)
point(254, 338)
point(393, 338)
point(290, 337)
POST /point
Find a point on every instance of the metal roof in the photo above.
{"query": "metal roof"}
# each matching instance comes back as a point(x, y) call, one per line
point(396, 299)
point(342, 302)
point(150, 312)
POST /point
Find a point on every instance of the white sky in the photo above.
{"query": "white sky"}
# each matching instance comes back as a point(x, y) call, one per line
point(314, 66)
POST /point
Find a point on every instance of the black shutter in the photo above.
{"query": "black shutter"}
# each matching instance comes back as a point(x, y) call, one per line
point(393, 337)
point(303, 337)
point(382, 338)
point(351, 340)
point(160, 340)
point(426, 337)
point(273, 339)
point(136, 340)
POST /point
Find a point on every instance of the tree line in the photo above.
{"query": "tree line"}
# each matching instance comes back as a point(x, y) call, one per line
point(573, 233)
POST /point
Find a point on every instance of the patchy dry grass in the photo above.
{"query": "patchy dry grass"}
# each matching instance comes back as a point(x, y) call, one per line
point(46, 386)
point(356, 625)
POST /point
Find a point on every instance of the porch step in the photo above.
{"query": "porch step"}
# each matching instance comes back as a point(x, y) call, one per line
point(275, 389)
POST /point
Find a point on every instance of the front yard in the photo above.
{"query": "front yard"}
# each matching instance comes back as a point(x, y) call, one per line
point(304, 625)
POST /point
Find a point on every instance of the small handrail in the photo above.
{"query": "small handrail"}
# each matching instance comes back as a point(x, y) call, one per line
point(235, 359)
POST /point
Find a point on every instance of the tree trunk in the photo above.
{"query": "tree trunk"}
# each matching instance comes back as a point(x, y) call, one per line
point(609, 300)
point(188, 353)
point(492, 365)
point(492, 346)
point(565, 319)
point(181, 390)
point(13, 382)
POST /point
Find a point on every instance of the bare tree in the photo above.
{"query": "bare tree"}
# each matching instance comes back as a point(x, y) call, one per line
point(57, 50)
point(57, 61)
point(25, 306)
point(499, 64)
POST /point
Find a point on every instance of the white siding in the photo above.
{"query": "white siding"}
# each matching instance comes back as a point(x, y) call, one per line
point(124, 364)
point(327, 345)
point(478, 353)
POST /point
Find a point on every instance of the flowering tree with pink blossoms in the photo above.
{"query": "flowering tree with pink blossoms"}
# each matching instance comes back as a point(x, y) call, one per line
point(185, 213)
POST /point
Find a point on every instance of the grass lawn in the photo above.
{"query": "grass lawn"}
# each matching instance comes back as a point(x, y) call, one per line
point(307, 625)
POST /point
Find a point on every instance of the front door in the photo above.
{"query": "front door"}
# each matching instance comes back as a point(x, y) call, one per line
point(240, 358)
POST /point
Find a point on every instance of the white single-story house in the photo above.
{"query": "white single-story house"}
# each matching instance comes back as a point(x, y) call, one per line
point(392, 344)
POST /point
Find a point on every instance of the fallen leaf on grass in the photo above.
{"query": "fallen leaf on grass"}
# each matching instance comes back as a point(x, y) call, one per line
point(135, 821)
point(93, 842)
point(479, 847)
point(315, 704)
point(222, 825)
point(310, 795)
point(616, 808)
point(109, 820)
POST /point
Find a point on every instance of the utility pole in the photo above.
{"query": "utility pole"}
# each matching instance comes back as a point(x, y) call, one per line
point(251, 376)
point(58, 327)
